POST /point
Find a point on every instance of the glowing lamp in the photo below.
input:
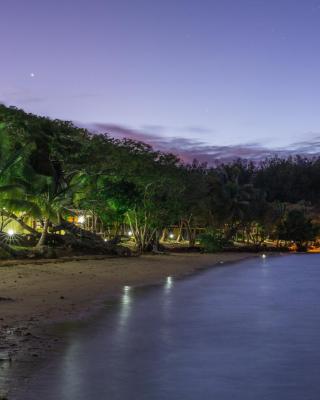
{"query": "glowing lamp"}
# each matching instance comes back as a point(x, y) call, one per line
point(171, 236)
point(11, 232)
point(81, 219)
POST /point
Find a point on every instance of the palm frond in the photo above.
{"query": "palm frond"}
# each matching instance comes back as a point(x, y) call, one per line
point(18, 205)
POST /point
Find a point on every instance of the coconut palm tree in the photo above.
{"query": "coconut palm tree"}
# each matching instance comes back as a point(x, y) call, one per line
point(12, 184)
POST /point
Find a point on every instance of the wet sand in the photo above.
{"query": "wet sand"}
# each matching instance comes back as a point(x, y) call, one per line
point(35, 295)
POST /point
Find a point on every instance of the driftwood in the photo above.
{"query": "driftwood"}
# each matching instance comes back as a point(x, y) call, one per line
point(76, 230)
point(81, 239)
point(75, 238)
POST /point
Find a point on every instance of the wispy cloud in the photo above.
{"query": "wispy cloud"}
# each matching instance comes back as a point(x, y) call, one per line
point(190, 149)
point(310, 146)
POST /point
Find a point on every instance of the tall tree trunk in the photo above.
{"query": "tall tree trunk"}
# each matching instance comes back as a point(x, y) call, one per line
point(164, 235)
point(191, 235)
point(43, 237)
point(116, 229)
point(248, 236)
point(95, 220)
point(157, 240)
point(179, 238)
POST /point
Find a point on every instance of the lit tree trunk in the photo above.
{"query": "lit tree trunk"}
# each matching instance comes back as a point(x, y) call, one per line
point(157, 239)
point(191, 235)
point(164, 235)
point(43, 237)
point(179, 238)
point(135, 230)
point(248, 235)
point(95, 220)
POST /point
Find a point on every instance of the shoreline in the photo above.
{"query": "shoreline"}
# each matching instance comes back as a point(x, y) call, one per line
point(36, 295)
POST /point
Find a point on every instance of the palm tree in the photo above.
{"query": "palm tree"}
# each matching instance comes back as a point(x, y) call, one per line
point(11, 182)
point(51, 196)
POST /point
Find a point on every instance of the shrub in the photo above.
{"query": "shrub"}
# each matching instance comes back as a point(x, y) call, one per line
point(212, 242)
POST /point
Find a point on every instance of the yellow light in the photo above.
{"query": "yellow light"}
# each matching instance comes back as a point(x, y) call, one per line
point(11, 232)
point(171, 236)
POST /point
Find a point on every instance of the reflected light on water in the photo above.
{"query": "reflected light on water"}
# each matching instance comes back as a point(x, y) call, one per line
point(167, 300)
point(126, 300)
point(71, 372)
point(126, 289)
point(169, 283)
point(265, 263)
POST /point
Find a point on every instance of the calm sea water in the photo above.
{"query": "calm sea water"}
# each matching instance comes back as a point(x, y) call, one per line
point(244, 331)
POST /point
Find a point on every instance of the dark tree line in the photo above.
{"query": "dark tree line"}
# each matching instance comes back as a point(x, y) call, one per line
point(51, 168)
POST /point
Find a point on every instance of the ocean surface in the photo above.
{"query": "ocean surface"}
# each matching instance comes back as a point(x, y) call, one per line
point(248, 331)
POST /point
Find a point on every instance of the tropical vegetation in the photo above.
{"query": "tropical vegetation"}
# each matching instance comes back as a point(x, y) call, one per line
point(56, 177)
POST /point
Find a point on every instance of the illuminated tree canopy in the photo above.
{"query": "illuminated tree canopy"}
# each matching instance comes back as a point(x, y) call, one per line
point(51, 169)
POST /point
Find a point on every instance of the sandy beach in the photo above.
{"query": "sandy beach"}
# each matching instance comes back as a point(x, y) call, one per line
point(35, 295)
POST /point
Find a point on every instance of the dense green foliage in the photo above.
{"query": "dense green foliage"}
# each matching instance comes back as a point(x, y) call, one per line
point(298, 228)
point(50, 167)
point(213, 241)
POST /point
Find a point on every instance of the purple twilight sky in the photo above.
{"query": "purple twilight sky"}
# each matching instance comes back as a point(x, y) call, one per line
point(200, 78)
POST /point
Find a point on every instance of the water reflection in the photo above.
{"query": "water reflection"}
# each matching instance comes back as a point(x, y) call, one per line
point(265, 261)
point(125, 307)
point(126, 299)
point(72, 376)
point(169, 284)
point(244, 332)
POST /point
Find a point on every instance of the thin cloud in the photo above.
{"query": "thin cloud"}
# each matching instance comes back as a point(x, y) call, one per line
point(190, 149)
point(311, 146)
point(196, 130)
